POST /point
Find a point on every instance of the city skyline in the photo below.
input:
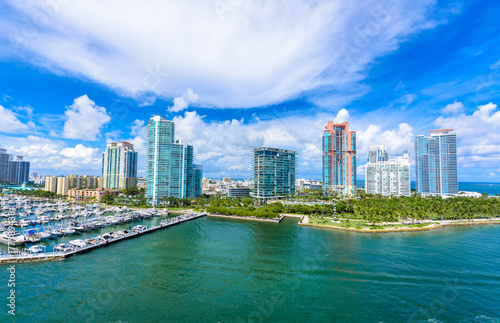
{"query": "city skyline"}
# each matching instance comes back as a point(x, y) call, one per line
point(60, 112)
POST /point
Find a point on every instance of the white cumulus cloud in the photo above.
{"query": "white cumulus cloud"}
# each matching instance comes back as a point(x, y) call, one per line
point(54, 157)
point(79, 151)
point(184, 101)
point(396, 140)
point(84, 119)
point(478, 135)
point(342, 116)
point(10, 123)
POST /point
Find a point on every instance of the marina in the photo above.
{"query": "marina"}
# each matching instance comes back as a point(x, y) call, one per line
point(74, 247)
point(34, 221)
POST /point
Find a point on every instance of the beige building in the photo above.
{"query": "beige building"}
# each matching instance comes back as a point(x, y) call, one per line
point(62, 185)
point(51, 183)
point(75, 181)
point(100, 182)
point(87, 193)
point(127, 182)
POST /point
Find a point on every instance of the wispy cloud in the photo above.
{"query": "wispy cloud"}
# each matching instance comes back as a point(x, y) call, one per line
point(454, 107)
point(253, 54)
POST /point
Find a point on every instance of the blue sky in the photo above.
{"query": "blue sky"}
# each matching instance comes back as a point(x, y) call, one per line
point(235, 75)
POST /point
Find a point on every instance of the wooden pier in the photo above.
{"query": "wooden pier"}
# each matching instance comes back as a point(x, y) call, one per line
point(47, 256)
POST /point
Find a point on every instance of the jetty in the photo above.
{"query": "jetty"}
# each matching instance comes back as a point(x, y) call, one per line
point(48, 256)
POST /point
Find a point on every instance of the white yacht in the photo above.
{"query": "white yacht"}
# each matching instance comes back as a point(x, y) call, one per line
point(36, 249)
point(79, 243)
point(68, 231)
point(139, 228)
point(63, 247)
point(24, 223)
point(56, 233)
point(44, 234)
point(12, 238)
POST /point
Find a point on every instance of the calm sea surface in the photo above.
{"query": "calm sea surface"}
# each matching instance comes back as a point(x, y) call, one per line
point(218, 270)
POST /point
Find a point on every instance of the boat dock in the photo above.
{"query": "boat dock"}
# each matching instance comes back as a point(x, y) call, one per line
point(47, 256)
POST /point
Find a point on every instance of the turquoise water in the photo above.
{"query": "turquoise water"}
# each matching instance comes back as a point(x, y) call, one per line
point(488, 188)
point(218, 270)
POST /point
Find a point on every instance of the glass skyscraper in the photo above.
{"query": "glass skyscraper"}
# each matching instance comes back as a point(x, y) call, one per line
point(339, 159)
point(274, 172)
point(377, 154)
point(4, 165)
point(436, 163)
point(181, 170)
point(119, 165)
point(18, 171)
point(13, 171)
point(169, 163)
point(197, 178)
point(161, 134)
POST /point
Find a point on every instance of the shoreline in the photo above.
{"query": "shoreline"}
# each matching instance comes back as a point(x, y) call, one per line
point(403, 229)
point(236, 217)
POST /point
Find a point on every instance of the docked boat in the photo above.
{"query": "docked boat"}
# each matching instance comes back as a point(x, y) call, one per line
point(36, 249)
point(89, 226)
point(10, 237)
point(92, 241)
point(56, 233)
point(123, 233)
point(79, 243)
point(63, 247)
point(44, 234)
point(24, 223)
point(77, 227)
point(68, 231)
point(107, 236)
point(98, 224)
point(31, 235)
point(43, 218)
point(139, 228)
